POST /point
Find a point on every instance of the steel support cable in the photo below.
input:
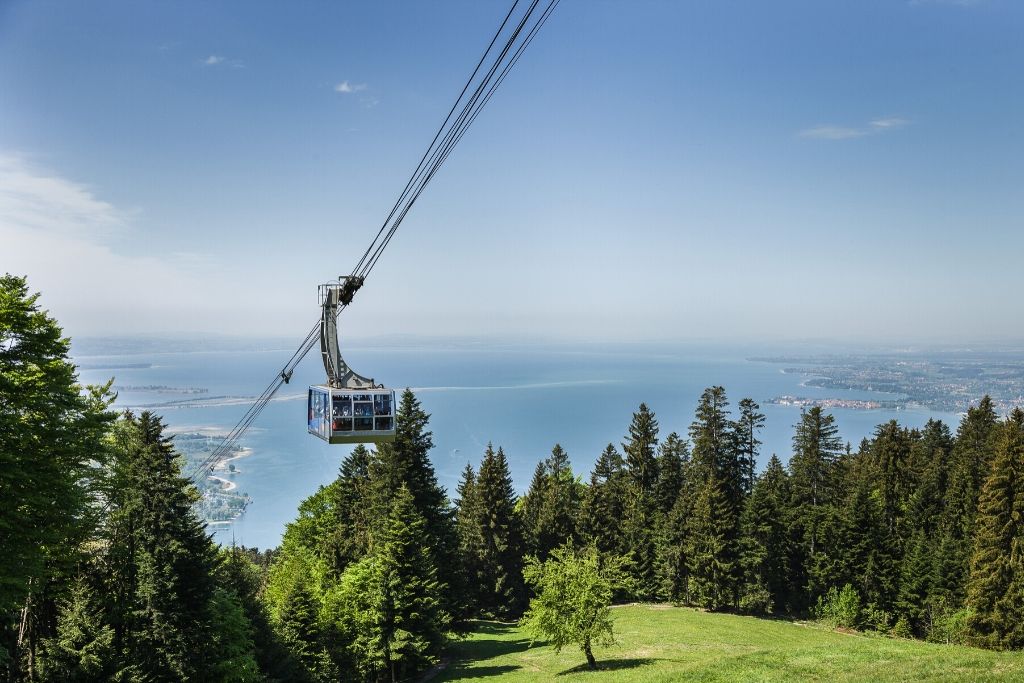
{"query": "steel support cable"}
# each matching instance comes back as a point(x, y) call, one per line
point(467, 119)
point(432, 159)
point(508, 67)
point(468, 114)
point(544, 17)
point(426, 172)
point(257, 406)
point(455, 105)
point(458, 136)
point(229, 440)
point(441, 151)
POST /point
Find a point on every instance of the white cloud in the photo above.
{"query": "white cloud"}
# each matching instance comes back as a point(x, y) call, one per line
point(218, 60)
point(888, 123)
point(39, 202)
point(72, 245)
point(836, 132)
point(348, 88)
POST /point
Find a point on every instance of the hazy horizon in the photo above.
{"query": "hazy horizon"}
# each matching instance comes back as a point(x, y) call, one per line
point(150, 342)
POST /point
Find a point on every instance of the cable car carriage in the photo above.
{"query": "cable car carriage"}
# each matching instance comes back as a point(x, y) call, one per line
point(348, 408)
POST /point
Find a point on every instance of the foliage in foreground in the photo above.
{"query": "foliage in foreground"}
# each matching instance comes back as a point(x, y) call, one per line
point(573, 600)
point(356, 590)
point(107, 573)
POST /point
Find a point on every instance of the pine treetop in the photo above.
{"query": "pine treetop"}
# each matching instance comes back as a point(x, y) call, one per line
point(642, 440)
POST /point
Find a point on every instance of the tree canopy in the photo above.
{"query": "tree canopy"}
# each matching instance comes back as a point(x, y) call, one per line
point(573, 600)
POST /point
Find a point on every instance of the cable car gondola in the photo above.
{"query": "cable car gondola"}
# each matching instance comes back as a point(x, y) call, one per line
point(347, 408)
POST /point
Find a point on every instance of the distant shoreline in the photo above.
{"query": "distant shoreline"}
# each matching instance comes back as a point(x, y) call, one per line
point(227, 485)
point(830, 403)
point(223, 465)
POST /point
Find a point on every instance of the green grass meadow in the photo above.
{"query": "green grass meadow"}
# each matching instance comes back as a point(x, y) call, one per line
point(664, 643)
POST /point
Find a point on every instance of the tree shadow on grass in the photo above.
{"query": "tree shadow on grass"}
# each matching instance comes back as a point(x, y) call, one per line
point(610, 665)
point(493, 628)
point(461, 673)
point(483, 649)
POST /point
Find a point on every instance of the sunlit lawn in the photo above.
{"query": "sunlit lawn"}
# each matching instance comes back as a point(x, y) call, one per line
point(662, 643)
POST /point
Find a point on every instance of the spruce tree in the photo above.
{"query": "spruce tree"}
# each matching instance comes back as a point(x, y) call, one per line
point(641, 521)
point(747, 427)
point(160, 561)
point(349, 540)
point(561, 510)
point(865, 546)
point(604, 503)
point(406, 461)
point(502, 592)
point(930, 457)
point(713, 528)
point(973, 451)
point(82, 649)
point(175, 563)
point(764, 543)
point(552, 505)
point(934, 437)
point(812, 577)
point(673, 455)
point(299, 630)
point(390, 601)
point(917, 578)
point(639, 447)
point(816, 450)
point(996, 588)
point(641, 535)
point(711, 548)
point(468, 518)
point(711, 435)
point(531, 506)
point(889, 455)
point(918, 598)
point(674, 542)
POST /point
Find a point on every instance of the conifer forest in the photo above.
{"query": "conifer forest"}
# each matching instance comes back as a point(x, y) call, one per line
point(107, 573)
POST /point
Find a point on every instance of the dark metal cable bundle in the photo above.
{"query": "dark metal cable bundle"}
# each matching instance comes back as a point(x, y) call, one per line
point(452, 131)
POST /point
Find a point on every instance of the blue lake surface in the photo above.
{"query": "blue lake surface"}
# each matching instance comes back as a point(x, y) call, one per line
point(524, 398)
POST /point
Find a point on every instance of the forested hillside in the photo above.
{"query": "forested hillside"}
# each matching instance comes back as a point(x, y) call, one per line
point(106, 572)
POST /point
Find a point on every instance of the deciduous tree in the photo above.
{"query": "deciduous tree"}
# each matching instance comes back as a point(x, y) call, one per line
point(573, 598)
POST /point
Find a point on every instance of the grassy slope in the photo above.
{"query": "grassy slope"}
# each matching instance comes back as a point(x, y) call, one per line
point(661, 643)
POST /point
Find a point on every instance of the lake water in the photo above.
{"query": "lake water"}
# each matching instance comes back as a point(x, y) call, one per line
point(524, 398)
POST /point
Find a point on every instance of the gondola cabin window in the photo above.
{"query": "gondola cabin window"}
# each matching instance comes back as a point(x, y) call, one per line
point(352, 415)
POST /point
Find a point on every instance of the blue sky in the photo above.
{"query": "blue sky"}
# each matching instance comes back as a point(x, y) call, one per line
point(733, 170)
